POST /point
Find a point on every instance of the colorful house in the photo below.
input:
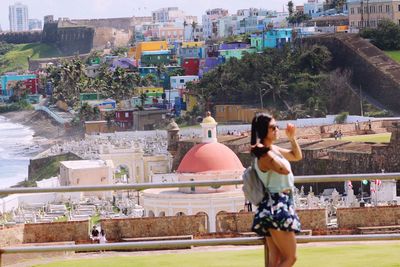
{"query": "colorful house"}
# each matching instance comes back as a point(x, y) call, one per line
point(191, 100)
point(191, 66)
point(274, 38)
point(136, 52)
point(124, 118)
point(179, 82)
point(155, 58)
point(236, 53)
point(5, 79)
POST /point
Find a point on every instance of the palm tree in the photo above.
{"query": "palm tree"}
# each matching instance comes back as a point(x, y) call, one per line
point(185, 24)
point(194, 25)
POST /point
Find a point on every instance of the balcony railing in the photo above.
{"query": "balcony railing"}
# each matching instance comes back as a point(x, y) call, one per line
point(202, 242)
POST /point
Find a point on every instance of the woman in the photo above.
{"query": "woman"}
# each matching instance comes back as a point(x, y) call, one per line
point(275, 217)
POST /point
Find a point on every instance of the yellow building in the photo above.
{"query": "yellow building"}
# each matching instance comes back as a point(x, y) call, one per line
point(191, 101)
point(192, 44)
point(149, 90)
point(230, 113)
point(136, 51)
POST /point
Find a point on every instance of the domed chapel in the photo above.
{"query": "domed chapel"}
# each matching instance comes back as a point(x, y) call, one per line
point(208, 160)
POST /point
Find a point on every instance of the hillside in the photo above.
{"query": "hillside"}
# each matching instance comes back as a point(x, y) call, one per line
point(17, 58)
point(395, 55)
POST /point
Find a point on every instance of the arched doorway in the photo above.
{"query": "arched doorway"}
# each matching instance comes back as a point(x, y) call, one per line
point(207, 223)
point(150, 214)
point(121, 174)
point(180, 213)
point(161, 214)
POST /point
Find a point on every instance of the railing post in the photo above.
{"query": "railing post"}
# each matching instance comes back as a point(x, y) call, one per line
point(266, 254)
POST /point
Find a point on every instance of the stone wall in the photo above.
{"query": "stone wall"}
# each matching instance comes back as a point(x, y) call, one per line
point(56, 232)
point(75, 40)
point(368, 216)
point(375, 72)
point(241, 222)
point(11, 236)
point(116, 229)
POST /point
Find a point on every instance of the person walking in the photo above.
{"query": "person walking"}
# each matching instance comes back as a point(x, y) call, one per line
point(275, 217)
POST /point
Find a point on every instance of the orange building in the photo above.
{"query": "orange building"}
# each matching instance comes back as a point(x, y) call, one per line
point(136, 52)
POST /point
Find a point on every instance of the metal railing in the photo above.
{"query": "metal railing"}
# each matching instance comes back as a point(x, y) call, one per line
point(202, 242)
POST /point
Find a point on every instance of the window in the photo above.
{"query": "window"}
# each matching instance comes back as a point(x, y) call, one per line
point(352, 10)
point(380, 9)
point(126, 114)
point(398, 7)
point(181, 81)
point(387, 8)
point(209, 134)
point(359, 10)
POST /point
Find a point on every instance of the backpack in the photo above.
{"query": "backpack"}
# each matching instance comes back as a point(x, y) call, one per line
point(253, 188)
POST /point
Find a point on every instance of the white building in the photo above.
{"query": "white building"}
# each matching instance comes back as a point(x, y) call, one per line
point(171, 14)
point(314, 8)
point(18, 17)
point(179, 82)
point(35, 24)
point(210, 22)
point(206, 161)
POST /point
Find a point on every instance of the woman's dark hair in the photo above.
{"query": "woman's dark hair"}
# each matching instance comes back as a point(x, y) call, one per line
point(259, 130)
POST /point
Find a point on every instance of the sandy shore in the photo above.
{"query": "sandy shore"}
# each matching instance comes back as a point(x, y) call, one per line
point(47, 131)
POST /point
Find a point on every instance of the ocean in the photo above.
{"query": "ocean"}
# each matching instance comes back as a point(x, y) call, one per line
point(16, 142)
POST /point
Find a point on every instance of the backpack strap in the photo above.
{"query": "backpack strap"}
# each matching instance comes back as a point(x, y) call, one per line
point(253, 165)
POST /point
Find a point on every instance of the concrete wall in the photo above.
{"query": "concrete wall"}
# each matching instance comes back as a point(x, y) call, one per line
point(154, 226)
point(242, 222)
point(56, 232)
point(368, 216)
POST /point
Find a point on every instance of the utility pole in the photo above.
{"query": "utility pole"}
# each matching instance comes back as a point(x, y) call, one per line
point(361, 103)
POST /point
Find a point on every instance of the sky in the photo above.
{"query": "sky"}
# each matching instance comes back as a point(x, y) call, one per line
point(79, 9)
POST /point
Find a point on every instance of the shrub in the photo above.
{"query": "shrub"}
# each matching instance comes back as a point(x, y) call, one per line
point(341, 118)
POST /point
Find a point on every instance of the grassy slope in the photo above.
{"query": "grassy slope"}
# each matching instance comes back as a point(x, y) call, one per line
point(395, 55)
point(17, 58)
point(376, 138)
point(382, 255)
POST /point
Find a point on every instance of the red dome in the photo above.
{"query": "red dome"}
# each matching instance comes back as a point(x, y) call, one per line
point(209, 157)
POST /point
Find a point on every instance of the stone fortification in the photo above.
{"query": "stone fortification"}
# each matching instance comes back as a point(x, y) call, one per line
point(372, 69)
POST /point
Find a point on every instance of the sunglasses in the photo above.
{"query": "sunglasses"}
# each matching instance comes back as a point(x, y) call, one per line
point(273, 127)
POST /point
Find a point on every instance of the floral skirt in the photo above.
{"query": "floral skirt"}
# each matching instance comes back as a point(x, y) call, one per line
point(276, 211)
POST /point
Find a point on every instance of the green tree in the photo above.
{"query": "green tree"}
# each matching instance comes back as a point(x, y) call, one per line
point(386, 36)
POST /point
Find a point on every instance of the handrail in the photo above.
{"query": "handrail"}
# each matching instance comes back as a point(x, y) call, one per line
point(195, 242)
point(201, 242)
point(143, 186)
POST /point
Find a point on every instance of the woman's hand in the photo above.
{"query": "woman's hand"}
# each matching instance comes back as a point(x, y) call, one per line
point(290, 131)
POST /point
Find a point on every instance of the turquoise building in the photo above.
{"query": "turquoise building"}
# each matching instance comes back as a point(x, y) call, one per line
point(236, 53)
point(274, 38)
